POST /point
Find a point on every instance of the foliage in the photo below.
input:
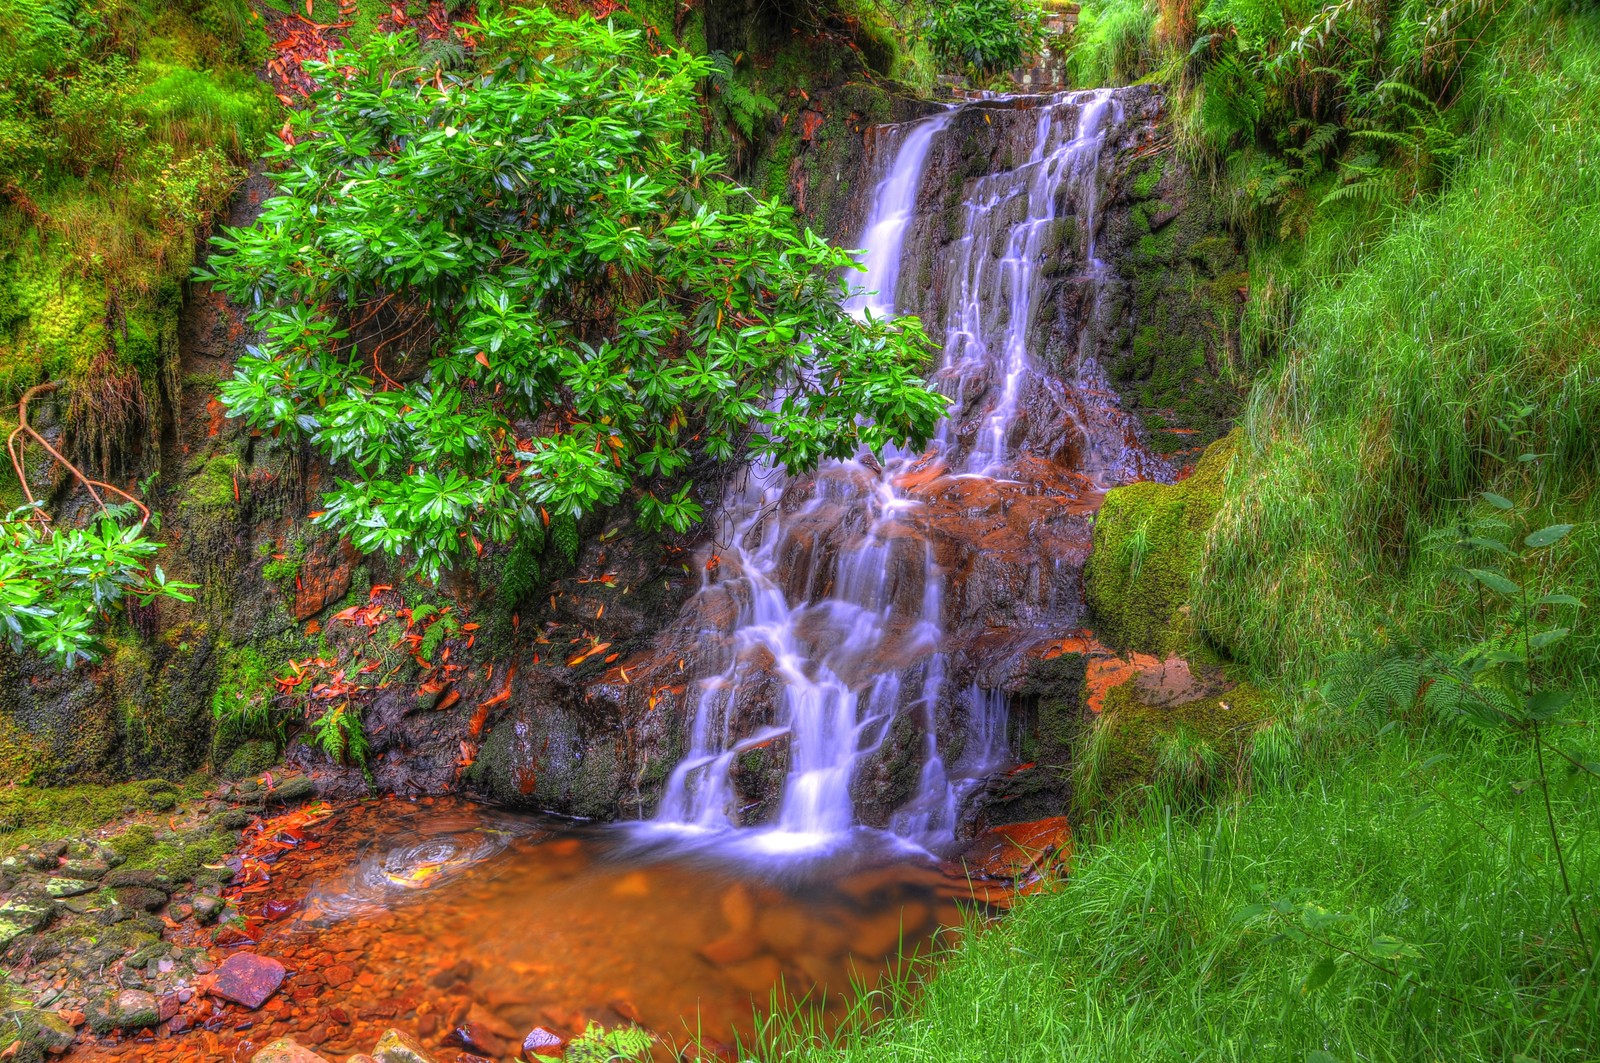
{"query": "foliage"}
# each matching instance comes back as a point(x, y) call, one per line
point(1389, 910)
point(55, 583)
point(741, 106)
point(601, 313)
point(599, 1045)
point(338, 734)
point(1111, 44)
point(115, 148)
point(1454, 358)
point(987, 36)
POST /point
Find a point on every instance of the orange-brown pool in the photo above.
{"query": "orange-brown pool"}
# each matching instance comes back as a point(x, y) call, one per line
point(469, 927)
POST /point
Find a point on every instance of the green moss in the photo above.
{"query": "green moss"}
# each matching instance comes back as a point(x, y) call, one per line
point(242, 703)
point(30, 814)
point(1147, 543)
point(181, 855)
point(1133, 746)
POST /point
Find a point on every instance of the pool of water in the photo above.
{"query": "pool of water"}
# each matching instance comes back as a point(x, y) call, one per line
point(463, 924)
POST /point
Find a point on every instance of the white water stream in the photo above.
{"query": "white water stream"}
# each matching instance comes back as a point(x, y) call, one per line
point(844, 641)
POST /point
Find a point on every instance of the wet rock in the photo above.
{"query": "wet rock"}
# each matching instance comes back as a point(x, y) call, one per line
point(324, 576)
point(293, 790)
point(207, 908)
point(141, 898)
point(68, 887)
point(127, 1009)
point(20, 916)
point(396, 1046)
point(476, 1040)
point(39, 1033)
point(730, 948)
point(231, 819)
point(286, 1050)
point(90, 869)
point(143, 879)
point(248, 979)
point(541, 1042)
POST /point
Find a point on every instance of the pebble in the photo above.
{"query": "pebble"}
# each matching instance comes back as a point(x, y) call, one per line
point(541, 1042)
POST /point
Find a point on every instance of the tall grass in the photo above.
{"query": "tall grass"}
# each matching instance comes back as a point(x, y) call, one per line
point(1458, 356)
point(1156, 946)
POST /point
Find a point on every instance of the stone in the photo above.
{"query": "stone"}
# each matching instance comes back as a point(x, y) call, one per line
point(541, 1042)
point(207, 908)
point(730, 948)
point(231, 819)
point(248, 979)
point(141, 878)
point(395, 1046)
point(43, 1031)
point(85, 868)
point(20, 916)
point(286, 1050)
point(141, 898)
point(68, 887)
point(127, 1009)
point(292, 790)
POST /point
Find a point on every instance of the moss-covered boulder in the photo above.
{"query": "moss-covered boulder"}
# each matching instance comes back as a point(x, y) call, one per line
point(1140, 746)
point(1147, 543)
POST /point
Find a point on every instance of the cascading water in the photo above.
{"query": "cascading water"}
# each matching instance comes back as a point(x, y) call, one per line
point(836, 667)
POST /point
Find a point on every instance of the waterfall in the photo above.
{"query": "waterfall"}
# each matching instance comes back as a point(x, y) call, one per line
point(837, 680)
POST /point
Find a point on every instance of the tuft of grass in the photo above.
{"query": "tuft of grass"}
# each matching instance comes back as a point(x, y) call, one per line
point(1457, 357)
point(1155, 947)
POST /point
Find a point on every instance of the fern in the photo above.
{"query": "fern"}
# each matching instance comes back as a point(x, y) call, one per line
point(339, 735)
point(564, 530)
point(599, 1045)
point(740, 105)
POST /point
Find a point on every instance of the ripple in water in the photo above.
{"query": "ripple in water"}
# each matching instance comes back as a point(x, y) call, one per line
point(389, 875)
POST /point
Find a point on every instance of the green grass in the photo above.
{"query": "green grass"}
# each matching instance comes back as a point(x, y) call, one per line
point(1462, 342)
point(1148, 951)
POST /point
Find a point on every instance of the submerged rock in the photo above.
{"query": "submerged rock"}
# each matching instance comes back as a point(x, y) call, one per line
point(127, 1009)
point(396, 1046)
point(286, 1050)
point(248, 979)
point(541, 1042)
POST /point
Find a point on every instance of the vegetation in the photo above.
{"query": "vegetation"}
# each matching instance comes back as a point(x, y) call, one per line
point(1398, 859)
point(599, 311)
point(986, 36)
point(124, 127)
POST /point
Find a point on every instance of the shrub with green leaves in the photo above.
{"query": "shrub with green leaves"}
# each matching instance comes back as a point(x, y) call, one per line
point(55, 583)
point(987, 36)
point(603, 314)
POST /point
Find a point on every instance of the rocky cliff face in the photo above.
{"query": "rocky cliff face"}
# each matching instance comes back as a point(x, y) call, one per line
point(566, 681)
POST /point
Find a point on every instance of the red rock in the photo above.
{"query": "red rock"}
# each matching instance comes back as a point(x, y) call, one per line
point(248, 979)
point(541, 1042)
point(324, 577)
point(730, 948)
point(338, 975)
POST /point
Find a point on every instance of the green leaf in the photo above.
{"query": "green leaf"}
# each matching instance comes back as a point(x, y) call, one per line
point(1559, 599)
point(1320, 973)
point(1547, 536)
point(1494, 581)
point(1497, 501)
point(1548, 638)
point(1546, 704)
point(1317, 1055)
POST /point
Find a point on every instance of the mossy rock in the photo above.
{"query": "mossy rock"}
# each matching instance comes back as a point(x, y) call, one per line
point(1147, 543)
point(251, 758)
point(1135, 747)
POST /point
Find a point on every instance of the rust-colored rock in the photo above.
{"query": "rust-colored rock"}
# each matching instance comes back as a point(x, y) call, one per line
point(396, 1046)
point(248, 979)
point(730, 948)
point(324, 577)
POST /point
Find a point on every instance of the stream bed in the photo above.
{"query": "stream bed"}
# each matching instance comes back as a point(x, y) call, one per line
point(469, 927)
